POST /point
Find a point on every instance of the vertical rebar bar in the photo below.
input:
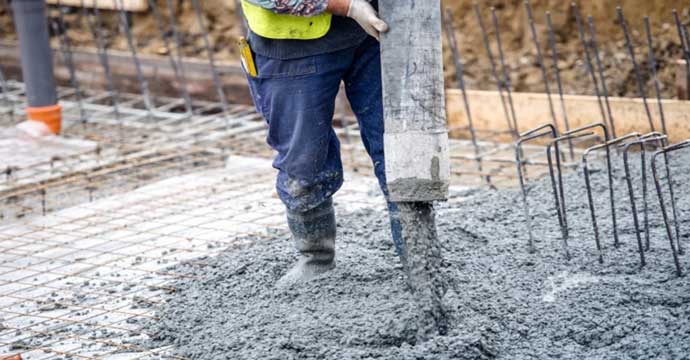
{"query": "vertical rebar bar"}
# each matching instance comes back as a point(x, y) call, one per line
point(494, 72)
point(631, 194)
point(660, 141)
point(602, 75)
point(525, 137)
point(504, 69)
point(609, 166)
point(3, 80)
point(685, 46)
point(171, 56)
point(636, 67)
point(540, 60)
point(178, 44)
point(672, 195)
point(557, 72)
point(657, 183)
point(5, 95)
point(592, 210)
point(96, 27)
point(460, 78)
point(653, 71)
point(66, 50)
point(125, 28)
point(588, 60)
point(212, 64)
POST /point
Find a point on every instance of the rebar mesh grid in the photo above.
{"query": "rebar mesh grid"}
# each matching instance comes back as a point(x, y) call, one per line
point(78, 281)
point(102, 152)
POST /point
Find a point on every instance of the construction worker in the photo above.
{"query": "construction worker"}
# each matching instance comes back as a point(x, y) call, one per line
point(301, 50)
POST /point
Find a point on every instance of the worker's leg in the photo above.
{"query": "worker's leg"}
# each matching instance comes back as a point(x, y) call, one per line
point(363, 86)
point(297, 98)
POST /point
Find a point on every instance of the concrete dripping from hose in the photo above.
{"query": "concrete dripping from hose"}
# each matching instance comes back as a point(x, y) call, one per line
point(422, 263)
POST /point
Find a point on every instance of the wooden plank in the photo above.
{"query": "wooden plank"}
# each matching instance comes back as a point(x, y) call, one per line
point(532, 110)
point(128, 5)
point(156, 70)
point(416, 138)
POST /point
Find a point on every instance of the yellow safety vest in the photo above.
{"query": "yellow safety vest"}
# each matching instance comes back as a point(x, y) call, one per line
point(270, 25)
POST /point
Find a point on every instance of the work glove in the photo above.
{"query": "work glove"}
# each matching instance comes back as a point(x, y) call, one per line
point(362, 12)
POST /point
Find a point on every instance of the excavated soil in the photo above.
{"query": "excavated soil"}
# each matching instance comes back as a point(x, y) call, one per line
point(503, 301)
point(221, 22)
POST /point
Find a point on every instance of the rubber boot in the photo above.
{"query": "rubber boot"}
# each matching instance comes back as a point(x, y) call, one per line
point(396, 233)
point(314, 235)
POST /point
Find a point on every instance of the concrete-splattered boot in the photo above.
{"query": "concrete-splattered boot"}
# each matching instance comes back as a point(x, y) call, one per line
point(396, 233)
point(314, 235)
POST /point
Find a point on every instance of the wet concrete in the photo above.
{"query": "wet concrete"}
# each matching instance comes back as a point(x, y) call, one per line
point(502, 301)
point(422, 262)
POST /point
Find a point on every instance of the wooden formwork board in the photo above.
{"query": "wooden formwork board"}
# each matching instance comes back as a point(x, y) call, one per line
point(532, 110)
point(127, 5)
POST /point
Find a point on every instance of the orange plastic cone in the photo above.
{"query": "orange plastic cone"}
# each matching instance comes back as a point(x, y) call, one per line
point(51, 116)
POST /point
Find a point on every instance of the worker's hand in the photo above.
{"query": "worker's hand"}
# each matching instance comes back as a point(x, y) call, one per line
point(362, 12)
point(365, 15)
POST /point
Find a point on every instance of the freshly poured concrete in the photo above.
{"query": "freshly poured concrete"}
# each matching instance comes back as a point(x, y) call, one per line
point(503, 301)
point(90, 280)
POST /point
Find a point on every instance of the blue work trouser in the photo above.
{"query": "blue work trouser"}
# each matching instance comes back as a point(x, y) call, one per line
point(297, 99)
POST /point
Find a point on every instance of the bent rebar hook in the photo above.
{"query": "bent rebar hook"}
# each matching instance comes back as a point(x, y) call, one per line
point(585, 165)
point(531, 135)
point(659, 191)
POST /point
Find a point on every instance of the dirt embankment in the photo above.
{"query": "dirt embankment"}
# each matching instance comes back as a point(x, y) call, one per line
point(224, 28)
point(521, 54)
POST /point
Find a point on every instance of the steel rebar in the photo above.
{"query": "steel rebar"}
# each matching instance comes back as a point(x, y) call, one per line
point(460, 78)
point(685, 46)
point(540, 60)
point(504, 69)
point(657, 183)
point(125, 28)
point(494, 72)
point(653, 71)
point(636, 67)
point(96, 27)
point(557, 72)
point(212, 64)
point(609, 166)
point(66, 50)
point(5, 95)
point(641, 143)
point(602, 76)
point(3, 81)
point(557, 184)
point(586, 172)
point(588, 60)
point(531, 135)
point(178, 44)
point(171, 55)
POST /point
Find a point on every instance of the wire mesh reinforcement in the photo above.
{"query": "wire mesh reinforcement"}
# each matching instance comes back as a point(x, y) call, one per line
point(145, 188)
point(116, 155)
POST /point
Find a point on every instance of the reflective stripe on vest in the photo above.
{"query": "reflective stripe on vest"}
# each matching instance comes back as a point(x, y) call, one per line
point(270, 25)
